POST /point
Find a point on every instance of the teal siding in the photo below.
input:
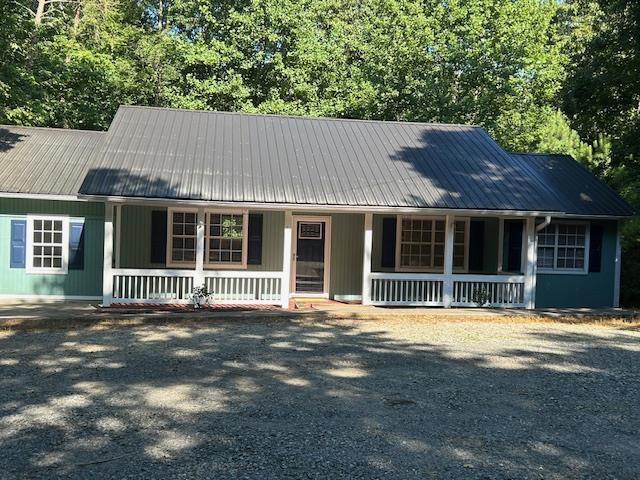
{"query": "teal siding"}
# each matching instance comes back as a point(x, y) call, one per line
point(592, 290)
point(86, 282)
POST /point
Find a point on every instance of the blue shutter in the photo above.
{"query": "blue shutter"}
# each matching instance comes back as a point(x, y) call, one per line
point(18, 243)
point(76, 246)
point(389, 226)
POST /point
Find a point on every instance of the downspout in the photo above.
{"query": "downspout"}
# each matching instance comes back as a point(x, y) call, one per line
point(532, 258)
point(545, 224)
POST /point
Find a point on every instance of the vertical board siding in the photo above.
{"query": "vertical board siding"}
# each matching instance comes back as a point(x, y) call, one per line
point(347, 243)
point(85, 282)
point(272, 242)
point(135, 237)
point(590, 291)
point(376, 247)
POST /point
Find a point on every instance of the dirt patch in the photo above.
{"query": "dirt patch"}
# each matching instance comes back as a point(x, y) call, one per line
point(340, 398)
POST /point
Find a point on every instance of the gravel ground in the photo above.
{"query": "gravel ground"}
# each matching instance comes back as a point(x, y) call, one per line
point(325, 399)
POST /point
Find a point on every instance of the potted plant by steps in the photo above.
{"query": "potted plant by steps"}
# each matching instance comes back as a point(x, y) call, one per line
point(200, 296)
point(481, 297)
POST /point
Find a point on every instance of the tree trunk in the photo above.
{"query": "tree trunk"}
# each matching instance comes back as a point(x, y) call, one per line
point(39, 13)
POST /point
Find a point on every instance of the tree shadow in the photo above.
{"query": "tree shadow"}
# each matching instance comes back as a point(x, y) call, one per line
point(286, 398)
point(9, 139)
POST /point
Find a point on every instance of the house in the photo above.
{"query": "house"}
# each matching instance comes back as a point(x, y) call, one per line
point(260, 208)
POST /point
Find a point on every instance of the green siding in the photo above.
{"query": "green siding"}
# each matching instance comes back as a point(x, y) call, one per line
point(592, 290)
point(86, 282)
point(491, 234)
point(347, 243)
point(376, 247)
point(135, 238)
point(272, 242)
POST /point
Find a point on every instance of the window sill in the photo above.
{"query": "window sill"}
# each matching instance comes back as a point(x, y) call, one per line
point(45, 271)
point(545, 271)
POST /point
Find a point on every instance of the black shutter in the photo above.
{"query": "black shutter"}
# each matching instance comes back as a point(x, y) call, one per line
point(158, 236)
point(389, 226)
point(254, 253)
point(595, 248)
point(514, 252)
point(476, 246)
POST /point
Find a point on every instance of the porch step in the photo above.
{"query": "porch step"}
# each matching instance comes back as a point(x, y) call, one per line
point(308, 303)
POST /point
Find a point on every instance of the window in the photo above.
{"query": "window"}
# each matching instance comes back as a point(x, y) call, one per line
point(226, 243)
point(421, 242)
point(310, 230)
point(225, 238)
point(48, 244)
point(563, 247)
point(182, 237)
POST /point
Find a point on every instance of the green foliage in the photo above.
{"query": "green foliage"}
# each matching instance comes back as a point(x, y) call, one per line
point(539, 75)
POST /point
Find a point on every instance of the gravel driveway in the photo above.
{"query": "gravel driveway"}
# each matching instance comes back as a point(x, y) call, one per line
point(326, 399)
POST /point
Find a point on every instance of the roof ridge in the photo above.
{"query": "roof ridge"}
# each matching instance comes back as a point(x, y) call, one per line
point(298, 117)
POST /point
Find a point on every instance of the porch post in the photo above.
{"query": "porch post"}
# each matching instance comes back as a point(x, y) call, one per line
point(531, 265)
point(286, 261)
point(366, 259)
point(107, 274)
point(198, 276)
point(448, 261)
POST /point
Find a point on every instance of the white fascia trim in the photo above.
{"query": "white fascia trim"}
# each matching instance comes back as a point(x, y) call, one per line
point(46, 196)
point(318, 208)
point(11, 296)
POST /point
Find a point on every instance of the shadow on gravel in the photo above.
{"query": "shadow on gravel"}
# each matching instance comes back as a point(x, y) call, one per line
point(287, 399)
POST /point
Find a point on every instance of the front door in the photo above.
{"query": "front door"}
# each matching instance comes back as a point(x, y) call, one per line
point(310, 253)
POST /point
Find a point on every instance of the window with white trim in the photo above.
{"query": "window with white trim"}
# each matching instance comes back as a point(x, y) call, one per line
point(182, 230)
point(421, 242)
point(47, 244)
point(226, 239)
point(563, 247)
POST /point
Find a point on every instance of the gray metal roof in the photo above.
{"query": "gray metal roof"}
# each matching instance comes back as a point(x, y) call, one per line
point(45, 160)
point(237, 157)
point(581, 192)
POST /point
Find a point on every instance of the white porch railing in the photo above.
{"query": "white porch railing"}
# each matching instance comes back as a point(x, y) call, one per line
point(151, 286)
point(240, 287)
point(429, 290)
point(494, 290)
point(408, 289)
point(176, 286)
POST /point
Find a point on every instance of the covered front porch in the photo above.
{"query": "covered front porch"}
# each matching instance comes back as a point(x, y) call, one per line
point(158, 253)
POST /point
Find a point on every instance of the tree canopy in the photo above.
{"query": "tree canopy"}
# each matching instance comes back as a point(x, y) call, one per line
point(539, 75)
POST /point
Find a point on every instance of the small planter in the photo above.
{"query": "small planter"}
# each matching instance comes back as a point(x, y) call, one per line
point(200, 297)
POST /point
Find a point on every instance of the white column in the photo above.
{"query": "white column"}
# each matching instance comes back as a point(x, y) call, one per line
point(618, 265)
point(118, 247)
point(448, 261)
point(198, 276)
point(530, 269)
point(107, 274)
point(286, 261)
point(366, 259)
